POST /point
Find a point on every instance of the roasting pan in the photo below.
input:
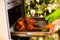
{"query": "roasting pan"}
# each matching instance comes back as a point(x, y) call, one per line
point(42, 23)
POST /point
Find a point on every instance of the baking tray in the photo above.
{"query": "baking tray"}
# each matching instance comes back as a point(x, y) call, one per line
point(29, 34)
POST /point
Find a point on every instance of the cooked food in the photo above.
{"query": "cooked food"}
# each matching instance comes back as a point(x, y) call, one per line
point(27, 24)
point(30, 21)
point(20, 25)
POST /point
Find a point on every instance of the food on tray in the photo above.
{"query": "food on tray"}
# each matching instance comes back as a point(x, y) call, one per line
point(27, 24)
point(50, 27)
point(20, 25)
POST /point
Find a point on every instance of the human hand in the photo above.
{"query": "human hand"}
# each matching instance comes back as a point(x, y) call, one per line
point(54, 26)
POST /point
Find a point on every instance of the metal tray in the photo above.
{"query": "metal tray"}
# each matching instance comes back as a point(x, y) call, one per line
point(29, 34)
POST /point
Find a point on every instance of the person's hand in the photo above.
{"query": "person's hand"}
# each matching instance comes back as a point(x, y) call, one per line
point(54, 26)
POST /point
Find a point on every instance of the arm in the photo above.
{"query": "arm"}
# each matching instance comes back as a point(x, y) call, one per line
point(53, 16)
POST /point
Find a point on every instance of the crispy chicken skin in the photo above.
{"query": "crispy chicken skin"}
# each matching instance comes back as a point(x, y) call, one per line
point(20, 25)
point(30, 20)
point(27, 24)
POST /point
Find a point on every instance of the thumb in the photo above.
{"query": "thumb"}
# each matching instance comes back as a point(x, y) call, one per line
point(52, 31)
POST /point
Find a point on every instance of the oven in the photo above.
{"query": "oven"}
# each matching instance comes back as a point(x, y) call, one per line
point(21, 9)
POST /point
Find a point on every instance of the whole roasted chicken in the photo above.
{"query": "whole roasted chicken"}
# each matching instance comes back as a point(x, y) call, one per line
point(27, 24)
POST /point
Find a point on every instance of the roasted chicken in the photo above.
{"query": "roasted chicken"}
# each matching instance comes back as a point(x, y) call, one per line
point(27, 24)
point(20, 25)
